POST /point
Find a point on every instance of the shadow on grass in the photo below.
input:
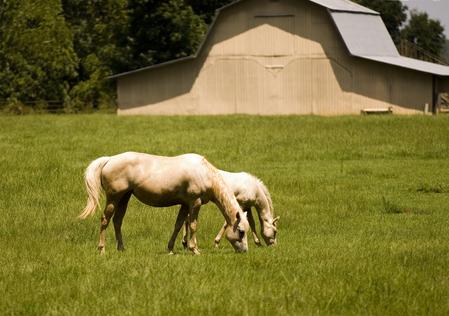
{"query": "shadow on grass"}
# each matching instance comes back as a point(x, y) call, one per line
point(389, 207)
point(431, 188)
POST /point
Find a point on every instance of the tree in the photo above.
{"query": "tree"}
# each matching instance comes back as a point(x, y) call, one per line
point(446, 51)
point(206, 8)
point(163, 30)
point(425, 32)
point(393, 14)
point(37, 59)
point(100, 29)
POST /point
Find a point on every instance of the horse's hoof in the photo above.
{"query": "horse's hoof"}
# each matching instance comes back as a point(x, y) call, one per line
point(101, 250)
point(171, 253)
point(196, 251)
point(217, 243)
point(258, 243)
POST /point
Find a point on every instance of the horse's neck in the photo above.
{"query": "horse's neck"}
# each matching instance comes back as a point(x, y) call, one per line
point(223, 197)
point(226, 201)
point(263, 204)
point(264, 212)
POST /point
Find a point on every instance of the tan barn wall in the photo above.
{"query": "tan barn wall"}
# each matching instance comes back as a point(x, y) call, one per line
point(286, 58)
point(378, 85)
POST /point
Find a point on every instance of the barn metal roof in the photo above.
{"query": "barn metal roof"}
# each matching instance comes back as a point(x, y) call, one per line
point(410, 63)
point(361, 29)
point(370, 40)
point(364, 34)
point(344, 5)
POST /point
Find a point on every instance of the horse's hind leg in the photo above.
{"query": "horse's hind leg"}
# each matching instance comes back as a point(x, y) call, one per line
point(193, 219)
point(118, 219)
point(105, 218)
point(182, 217)
point(252, 225)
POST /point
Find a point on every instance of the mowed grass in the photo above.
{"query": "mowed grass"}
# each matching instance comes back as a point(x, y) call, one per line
point(364, 206)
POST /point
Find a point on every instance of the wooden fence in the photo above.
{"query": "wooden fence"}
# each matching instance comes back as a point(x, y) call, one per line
point(409, 49)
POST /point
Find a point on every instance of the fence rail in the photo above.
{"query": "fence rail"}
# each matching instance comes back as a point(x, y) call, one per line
point(409, 49)
point(50, 106)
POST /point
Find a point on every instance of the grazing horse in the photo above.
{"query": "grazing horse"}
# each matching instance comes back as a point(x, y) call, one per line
point(189, 180)
point(252, 192)
point(249, 192)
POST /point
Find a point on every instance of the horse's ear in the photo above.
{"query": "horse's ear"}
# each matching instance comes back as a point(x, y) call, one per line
point(275, 220)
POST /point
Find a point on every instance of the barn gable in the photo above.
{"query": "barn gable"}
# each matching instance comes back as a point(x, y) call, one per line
point(281, 57)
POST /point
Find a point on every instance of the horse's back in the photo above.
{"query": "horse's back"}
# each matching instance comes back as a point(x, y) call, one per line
point(243, 185)
point(136, 160)
point(119, 171)
point(156, 178)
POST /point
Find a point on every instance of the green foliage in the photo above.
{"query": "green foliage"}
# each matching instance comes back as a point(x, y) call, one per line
point(355, 235)
point(37, 59)
point(425, 32)
point(206, 8)
point(66, 54)
point(445, 54)
point(100, 29)
point(163, 30)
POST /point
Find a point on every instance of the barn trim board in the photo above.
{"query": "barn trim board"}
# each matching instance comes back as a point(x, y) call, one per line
point(286, 57)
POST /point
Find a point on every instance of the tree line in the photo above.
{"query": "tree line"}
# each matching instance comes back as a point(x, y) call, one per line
point(60, 52)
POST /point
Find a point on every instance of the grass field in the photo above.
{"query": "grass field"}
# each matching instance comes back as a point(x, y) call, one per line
point(364, 206)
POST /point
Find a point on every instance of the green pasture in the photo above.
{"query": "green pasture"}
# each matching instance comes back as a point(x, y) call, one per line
point(364, 206)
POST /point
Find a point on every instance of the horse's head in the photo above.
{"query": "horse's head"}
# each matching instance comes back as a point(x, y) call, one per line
point(237, 234)
point(269, 231)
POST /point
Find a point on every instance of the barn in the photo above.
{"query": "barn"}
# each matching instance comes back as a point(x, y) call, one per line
point(287, 57)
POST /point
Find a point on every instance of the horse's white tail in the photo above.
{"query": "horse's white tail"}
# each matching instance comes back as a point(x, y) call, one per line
point(92, 179)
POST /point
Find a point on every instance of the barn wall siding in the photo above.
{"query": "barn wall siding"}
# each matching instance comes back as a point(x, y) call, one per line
point(281, 58)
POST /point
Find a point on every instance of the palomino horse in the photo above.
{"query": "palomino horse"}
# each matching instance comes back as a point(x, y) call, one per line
point(189, 180)
point(249, 192)
point(252, 192)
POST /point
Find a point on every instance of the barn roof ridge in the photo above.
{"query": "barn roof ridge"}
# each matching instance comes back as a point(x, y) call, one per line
point(344, 6)
point(383, 50)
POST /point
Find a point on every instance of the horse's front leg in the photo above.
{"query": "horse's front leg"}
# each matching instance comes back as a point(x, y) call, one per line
point(220, 234)
point(193, 219)
point(182, 217)
point(252, 224)
point(118, 220)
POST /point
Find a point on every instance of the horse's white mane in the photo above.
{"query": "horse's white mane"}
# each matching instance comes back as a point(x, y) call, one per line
point(221, 191)
point(265, 191)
